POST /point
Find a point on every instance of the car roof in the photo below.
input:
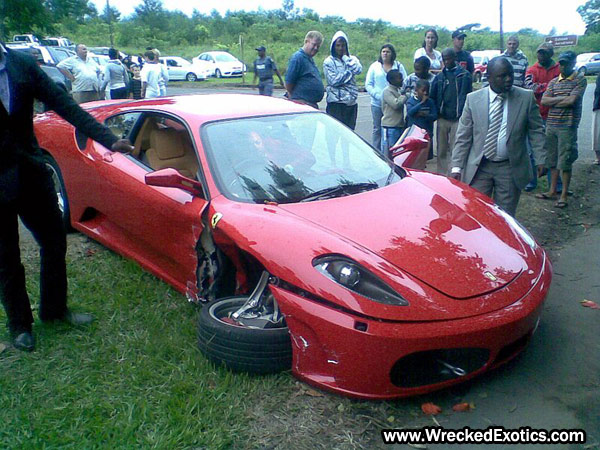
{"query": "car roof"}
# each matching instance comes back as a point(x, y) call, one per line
point(585, 56)
point(201, 108)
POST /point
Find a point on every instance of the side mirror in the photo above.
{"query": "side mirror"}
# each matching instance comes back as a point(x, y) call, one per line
point(173, 179)
point(410, 144)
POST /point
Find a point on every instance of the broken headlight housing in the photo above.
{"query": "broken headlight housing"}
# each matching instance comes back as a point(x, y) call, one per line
point(349, 274)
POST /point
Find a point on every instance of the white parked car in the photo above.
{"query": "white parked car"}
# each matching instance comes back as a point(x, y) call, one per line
point(101, 60)
point(182, 69)
point(221, 64)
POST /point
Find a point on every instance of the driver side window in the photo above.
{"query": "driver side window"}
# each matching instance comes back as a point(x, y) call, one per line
point(159, 141)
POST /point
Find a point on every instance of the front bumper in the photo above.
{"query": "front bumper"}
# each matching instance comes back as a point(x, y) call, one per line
point(365, 357)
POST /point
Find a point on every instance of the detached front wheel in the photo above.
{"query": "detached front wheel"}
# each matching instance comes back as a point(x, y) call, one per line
point(238, 347)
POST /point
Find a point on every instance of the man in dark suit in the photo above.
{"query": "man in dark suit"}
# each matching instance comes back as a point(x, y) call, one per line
point(490, 152)
point(27, 191)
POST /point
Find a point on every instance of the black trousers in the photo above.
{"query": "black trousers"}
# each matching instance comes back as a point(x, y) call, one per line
point(344, 113)
point(119, 93)
point(36, 204)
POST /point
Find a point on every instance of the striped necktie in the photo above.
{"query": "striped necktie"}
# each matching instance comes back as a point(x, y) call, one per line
point(491, 139)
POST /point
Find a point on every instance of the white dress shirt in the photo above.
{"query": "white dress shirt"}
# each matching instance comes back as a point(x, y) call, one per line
point(4, 86)
point(501, 150)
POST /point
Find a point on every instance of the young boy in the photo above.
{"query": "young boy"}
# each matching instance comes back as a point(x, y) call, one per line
point(421, 66)
point(392, 105)
point(135, 85)
point(420, 109)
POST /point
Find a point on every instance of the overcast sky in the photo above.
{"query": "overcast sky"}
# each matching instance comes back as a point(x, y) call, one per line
point(541, 15)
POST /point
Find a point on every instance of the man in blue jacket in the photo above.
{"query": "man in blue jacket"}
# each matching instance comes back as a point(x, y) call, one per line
point(449, 92)
point(302, 79)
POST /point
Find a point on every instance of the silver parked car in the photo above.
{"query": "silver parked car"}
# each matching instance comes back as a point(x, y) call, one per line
point(588, 63)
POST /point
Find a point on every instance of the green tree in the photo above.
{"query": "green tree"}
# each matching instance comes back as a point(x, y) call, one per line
point(590, 13)
point(22, 16)
point(289, 12)
point(77, 10)
point(151, 13)
point(110, 14)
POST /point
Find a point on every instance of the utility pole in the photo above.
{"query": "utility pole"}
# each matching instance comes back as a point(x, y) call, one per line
point(242, 51)
point(501, 31)
point(110, 26)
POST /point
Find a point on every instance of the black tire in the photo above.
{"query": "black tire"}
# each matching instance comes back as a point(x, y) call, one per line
point(239, 348)
point(582, 71)
point(61, 192)
point(477, 77)
point(191, 77)
point(218, 73)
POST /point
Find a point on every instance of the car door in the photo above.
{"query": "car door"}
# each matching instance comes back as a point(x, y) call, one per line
point(594, 65)
point(174, 68)
point(158, 227)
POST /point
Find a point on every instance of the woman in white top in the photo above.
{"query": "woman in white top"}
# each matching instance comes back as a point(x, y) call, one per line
point(428, 49)
point(376, 82)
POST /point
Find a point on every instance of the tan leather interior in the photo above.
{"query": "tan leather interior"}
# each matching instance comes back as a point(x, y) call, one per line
point(142, 141)
point(172, 148)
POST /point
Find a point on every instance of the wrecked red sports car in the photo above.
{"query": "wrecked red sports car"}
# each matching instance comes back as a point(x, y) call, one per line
point(306, 248)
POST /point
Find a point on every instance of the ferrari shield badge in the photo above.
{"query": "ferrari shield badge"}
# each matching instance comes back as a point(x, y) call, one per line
point(215, 219)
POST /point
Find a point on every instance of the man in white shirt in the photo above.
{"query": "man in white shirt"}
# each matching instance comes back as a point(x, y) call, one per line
point(84, 73)
point(490, 152)
point(150, 74)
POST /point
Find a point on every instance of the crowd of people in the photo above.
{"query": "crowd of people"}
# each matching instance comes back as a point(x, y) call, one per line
point(120, 78)
point(500, 139)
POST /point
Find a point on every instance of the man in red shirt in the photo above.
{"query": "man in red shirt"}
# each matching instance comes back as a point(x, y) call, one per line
point(537, 78)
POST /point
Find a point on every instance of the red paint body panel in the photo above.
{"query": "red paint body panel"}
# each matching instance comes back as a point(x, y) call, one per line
point(331, 353)
point(472, 276)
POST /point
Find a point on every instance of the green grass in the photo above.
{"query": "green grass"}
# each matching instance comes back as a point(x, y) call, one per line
point(134, 379)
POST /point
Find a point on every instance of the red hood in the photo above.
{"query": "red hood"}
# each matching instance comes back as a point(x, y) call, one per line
point(425, 235)
point(423, 244)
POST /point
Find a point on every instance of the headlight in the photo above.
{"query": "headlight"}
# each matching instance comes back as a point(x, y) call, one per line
point(355, 278)
point(521, 230)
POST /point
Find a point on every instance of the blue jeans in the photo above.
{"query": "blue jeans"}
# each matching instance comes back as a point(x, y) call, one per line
point(389, 136)
point(377, 115)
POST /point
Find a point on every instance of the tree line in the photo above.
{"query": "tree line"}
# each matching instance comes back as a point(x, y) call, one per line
point(281, 31)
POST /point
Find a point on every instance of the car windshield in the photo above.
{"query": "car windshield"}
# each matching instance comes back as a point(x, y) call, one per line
point(225, 57)
point(59, 54)
point(292, 158)
point(477, 59)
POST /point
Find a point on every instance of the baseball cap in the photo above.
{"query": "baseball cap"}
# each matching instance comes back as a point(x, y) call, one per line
point(261, 48)
point(458, 34)
point(567, 56)
point(545, 47)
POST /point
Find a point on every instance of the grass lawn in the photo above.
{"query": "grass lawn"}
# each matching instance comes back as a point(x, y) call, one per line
point(134, 379)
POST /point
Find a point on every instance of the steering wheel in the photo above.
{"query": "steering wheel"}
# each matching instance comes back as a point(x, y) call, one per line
point(244, 167)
